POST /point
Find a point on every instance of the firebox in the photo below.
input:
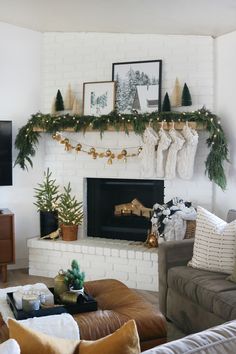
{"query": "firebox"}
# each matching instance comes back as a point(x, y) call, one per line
point(119, 208)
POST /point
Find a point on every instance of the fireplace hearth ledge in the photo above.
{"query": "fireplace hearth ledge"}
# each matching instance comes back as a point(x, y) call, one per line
point(130, 262)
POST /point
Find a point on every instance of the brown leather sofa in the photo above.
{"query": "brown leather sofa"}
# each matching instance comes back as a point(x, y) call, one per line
point(116, 305)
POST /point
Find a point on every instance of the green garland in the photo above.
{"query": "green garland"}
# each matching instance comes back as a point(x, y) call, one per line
point(27, 139)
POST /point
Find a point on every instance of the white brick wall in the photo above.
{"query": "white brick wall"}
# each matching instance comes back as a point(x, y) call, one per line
point(79, 57)
point(98, 258)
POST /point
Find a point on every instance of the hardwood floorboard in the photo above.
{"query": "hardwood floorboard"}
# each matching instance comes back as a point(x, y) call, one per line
point(21, 277)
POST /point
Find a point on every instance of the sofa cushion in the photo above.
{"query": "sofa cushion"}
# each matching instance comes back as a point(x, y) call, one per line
point(217, 340)
point(198, 285)
point(224, 305)
point(214, 245)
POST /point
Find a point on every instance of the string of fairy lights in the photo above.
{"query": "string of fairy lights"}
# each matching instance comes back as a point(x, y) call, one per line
point(98, 152)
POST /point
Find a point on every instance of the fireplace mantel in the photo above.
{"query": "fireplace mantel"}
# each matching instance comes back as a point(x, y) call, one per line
point(166, 126)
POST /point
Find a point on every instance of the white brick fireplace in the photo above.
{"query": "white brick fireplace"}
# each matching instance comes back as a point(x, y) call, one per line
point(80, 57)
point(76, 167)
point(127, 261)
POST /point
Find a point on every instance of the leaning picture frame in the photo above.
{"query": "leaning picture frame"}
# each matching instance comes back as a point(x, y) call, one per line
point(98, 98)
point(138, 86)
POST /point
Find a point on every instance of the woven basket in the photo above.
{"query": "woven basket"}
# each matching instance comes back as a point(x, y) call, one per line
point(190, 229)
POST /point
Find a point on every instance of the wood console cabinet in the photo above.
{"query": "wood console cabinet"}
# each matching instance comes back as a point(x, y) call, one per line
point(7, 241)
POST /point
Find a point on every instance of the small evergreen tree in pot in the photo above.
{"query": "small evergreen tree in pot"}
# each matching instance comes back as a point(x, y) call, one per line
point(47, 197)
point(70, 215)
point(74, 278)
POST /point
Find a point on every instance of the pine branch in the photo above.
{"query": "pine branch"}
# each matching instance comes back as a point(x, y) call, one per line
point(27, 139)
point(47, 193)
point(70, 210)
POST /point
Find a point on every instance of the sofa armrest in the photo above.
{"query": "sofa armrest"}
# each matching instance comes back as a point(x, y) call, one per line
point(220, 339)
point(171, 254)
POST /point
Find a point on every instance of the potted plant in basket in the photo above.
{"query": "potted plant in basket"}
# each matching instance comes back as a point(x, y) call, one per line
point(74, 278)
point(47, 197)
point(70, 215)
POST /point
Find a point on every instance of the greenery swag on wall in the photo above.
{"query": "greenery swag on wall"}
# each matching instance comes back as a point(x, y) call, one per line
point(27, 138)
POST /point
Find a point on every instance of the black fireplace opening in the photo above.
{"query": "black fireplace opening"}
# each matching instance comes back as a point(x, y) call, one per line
point(103, 194)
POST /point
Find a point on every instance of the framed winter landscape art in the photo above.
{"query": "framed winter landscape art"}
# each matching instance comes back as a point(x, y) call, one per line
point(138, 86)
point(98, 98)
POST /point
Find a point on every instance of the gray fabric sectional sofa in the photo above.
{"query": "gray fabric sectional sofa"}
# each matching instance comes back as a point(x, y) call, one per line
point(193, 299)
point(217, 340)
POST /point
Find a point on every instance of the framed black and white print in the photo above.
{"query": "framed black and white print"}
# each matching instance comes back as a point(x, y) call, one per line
point(138, 86)
point(98, 98)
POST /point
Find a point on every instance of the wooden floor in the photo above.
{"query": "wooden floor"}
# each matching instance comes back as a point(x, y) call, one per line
point(21, 277)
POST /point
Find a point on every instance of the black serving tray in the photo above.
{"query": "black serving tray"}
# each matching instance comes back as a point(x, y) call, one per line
point(84, 303)
point(22, 315)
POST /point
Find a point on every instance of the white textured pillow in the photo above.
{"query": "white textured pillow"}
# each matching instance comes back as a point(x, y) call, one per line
point(10, 347)
point(61, 326)
point(214, 245)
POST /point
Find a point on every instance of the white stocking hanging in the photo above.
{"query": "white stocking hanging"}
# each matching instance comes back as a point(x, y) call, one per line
point(171, 161)
point(147, 155)
point(186, 157)
point(164, 143)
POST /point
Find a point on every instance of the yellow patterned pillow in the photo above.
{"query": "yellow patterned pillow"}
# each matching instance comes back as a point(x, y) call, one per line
point(123, 341)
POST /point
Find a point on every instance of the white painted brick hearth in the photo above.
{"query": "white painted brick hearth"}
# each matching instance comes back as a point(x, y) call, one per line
point(130, 262)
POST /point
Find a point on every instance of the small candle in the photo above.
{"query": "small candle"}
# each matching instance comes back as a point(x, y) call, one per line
point(30, 302)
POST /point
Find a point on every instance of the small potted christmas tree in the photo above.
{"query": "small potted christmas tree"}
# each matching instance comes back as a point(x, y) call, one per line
point(47, 197)
point(70, 215)
point(74, 278)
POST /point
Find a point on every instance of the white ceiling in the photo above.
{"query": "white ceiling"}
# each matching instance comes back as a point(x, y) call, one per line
point(196, 17)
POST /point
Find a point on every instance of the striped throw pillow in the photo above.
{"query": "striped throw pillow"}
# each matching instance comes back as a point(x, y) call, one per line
point(214, 245)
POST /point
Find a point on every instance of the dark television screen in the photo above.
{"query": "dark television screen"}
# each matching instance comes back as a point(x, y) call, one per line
point(5, 153)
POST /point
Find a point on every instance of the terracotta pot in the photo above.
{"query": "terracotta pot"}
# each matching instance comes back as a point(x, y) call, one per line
point(69, 232)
